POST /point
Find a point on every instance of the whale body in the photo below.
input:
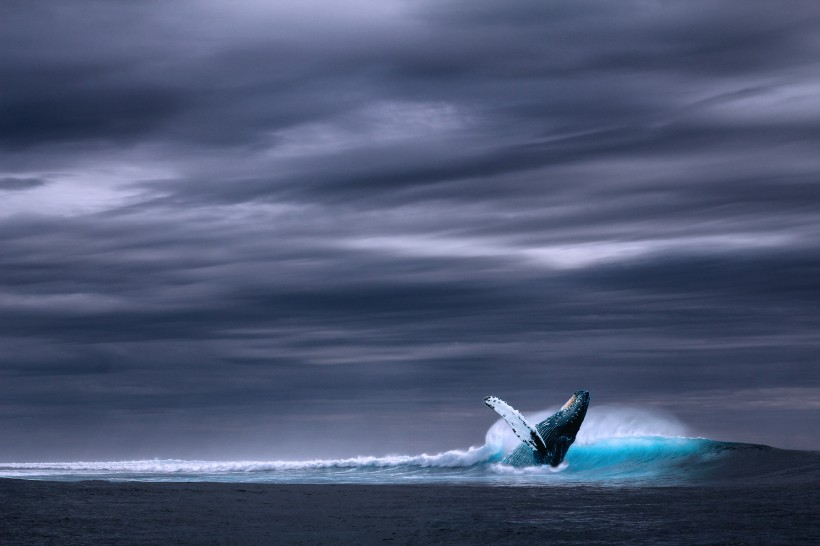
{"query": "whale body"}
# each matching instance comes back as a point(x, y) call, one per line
point(548, 441)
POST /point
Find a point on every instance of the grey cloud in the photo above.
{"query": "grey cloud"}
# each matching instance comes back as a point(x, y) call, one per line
point(255, 220)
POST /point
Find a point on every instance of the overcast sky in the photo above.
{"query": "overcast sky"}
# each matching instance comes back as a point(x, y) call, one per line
point(310, 229)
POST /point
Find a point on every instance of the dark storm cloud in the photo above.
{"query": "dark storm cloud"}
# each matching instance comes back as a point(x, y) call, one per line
point(12, 183)
point(311, 218)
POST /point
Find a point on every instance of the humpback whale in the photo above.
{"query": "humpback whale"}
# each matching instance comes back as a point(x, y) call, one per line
point(548, 441)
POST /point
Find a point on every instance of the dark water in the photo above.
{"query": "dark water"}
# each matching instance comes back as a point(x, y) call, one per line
point(41, 512)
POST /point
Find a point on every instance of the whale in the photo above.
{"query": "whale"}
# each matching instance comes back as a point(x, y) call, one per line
point(547, 442)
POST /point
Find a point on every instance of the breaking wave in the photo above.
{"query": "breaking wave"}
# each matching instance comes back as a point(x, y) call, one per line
point(616, 446)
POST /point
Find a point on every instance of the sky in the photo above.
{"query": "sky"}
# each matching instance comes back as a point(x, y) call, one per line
point(313, 229)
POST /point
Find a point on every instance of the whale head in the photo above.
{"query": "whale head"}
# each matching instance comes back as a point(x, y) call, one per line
point(572, 414)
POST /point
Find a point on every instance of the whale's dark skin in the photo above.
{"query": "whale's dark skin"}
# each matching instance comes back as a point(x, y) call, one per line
point(558, 432)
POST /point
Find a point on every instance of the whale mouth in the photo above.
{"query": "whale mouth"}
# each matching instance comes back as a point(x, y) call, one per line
point(570, 402)
point(578, 400)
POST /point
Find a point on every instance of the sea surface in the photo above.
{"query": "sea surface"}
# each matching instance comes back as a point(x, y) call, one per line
point(632, 477)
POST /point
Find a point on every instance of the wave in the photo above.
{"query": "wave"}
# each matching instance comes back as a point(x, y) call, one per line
point(616, 446)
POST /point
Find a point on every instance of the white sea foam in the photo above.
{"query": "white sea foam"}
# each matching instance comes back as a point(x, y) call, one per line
point(507, 470)
point(448, 459)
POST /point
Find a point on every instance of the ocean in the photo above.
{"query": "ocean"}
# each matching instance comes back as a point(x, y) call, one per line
point(631, 477)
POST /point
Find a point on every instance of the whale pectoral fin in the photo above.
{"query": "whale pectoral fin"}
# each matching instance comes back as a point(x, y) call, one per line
point(520, 426)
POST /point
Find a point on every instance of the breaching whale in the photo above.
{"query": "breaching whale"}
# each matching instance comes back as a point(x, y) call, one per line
point(548, 441)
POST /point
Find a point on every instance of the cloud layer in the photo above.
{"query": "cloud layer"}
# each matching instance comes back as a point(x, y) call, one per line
point(237, 229)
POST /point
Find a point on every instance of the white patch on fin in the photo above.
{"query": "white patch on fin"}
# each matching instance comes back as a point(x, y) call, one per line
point(525, 431)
